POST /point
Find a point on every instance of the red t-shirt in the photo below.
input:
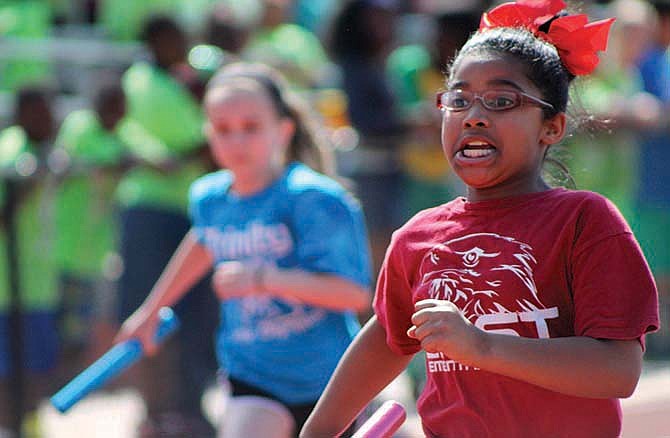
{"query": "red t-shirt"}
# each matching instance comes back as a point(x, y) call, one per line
point(542, 265)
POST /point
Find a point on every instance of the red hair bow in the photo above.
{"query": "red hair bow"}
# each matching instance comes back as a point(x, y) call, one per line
point(576, 40)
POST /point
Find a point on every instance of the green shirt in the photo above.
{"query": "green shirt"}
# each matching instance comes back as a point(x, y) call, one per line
point(163, 107)
point(33, 228)
point(605, 162)
point(405, 66)
point(24, 19)
point(122, 20)
point(84, 217)
point(164, 123)
point(294, 50)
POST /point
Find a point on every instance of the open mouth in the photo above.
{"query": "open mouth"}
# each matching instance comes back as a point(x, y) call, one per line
point(474, 149)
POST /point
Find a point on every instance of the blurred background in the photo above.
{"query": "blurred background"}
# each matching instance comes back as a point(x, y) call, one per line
point(101, 135)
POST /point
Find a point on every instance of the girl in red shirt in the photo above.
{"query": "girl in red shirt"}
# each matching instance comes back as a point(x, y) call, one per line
point(531, 302)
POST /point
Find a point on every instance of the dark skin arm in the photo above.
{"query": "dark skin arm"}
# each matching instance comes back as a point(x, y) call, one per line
point(578, 365)
point(366, 368)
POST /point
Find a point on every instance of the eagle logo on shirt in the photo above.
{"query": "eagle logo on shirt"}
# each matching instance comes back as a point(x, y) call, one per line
point(473, 270)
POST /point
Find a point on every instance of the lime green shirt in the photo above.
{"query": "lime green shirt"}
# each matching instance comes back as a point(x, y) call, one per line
point(122, 20)
point(163, 107)
point(606, 162)
point(405, 66)
point(294, 50)
point(24, 19)
point(33, 227)
point(164, 123)
point(84, 217)
point(415, 82)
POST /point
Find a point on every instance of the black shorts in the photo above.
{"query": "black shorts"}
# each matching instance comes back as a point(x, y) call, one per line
point(300, 412)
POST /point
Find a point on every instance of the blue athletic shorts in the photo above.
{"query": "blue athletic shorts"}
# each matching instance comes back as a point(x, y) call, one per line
point(40, 342)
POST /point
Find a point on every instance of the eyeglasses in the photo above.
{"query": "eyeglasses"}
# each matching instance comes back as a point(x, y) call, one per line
point(492, 100)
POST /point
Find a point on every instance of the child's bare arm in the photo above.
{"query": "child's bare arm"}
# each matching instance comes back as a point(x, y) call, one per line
point(190, 262)
point(578, 365)
point(366, 368)
point(237, 279)
point(324, 290)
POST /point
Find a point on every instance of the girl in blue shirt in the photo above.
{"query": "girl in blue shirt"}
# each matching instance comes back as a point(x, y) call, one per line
point(288, 247)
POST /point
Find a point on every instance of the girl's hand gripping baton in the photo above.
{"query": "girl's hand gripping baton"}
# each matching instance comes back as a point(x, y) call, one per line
point(115, 361)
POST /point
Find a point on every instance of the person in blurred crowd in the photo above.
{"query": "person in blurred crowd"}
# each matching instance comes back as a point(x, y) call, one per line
point(94, 143)
point(606, 161)
point(24, 148)
point(123, 20)
point(163, 97)
point(222, 39)
point(416, 71)
point(652, 209)
point(361, 39)
point(294, 50)
point(225, 30)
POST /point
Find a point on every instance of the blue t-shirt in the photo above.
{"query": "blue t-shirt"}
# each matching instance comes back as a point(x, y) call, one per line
point(654, 186)
point(655, 72)
point(304, 220)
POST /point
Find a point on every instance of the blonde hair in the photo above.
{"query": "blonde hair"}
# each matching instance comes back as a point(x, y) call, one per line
point(307, 145)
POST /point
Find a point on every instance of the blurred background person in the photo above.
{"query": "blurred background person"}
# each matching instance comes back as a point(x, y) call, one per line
point(296, 51)
point(85, 225)
point(123, 20)
point(361, 38)
point(24, 148)
point(605, 160)
point(416, 71)
point(652, 208)
point(221, 39)
point(226, 30)
point(623, 156)
point(163, 97)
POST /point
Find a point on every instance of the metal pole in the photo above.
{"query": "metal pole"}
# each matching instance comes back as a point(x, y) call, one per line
point(16, 375)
